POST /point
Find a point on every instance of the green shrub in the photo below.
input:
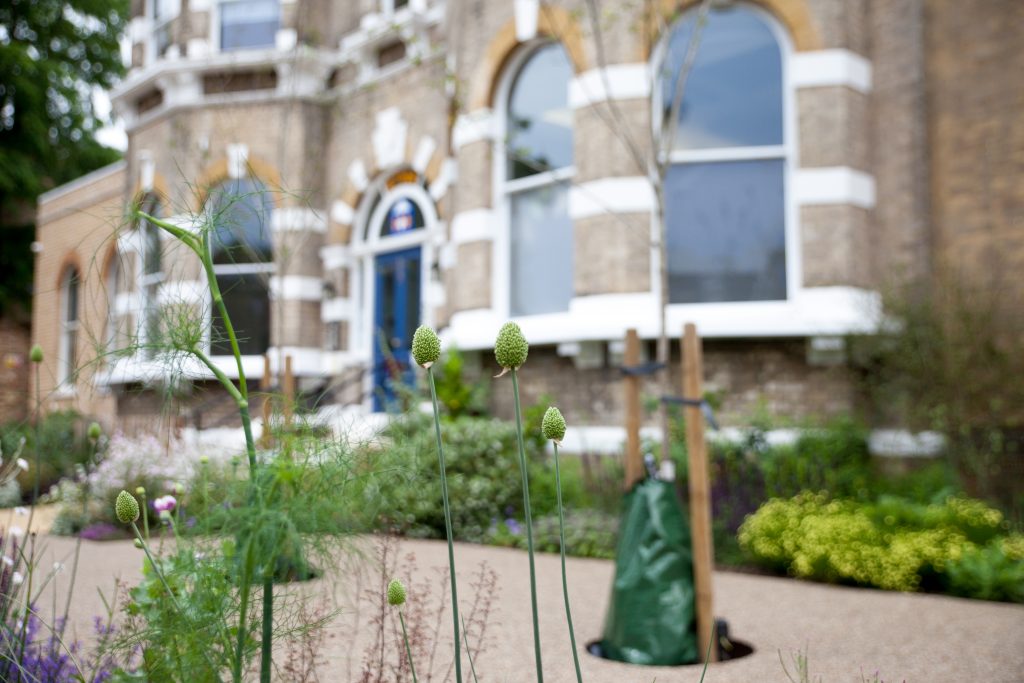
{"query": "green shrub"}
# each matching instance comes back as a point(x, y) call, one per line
point(893, 544)
point(483, 476)
point(588, 533)
point(62, 446)
point(458, 396)
point(992, 572)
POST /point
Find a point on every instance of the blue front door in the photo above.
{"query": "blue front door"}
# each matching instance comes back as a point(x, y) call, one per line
point(395, 318)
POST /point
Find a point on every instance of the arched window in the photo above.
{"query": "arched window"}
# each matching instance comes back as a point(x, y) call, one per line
point(725, 189)
point(243, 262)
point(113, 286)
point(538, 149)
point(70, 285)
point(151, 277)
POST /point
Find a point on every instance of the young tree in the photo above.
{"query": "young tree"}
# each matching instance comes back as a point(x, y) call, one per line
point(53, 54)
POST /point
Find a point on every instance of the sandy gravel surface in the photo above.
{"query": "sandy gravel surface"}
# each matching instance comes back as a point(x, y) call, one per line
point(846, 631)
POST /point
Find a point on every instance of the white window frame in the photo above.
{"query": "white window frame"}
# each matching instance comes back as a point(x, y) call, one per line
point(113, 279)
point(216, 25)
point(787, 152)
point(504, 189)
point(69, 342)
point(149, 284)
point(156, 25)
point(266, 268)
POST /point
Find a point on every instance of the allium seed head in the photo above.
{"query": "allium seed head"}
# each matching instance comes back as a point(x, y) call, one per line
point(36, 354)
point(426, 347)
point(511, 348)
point(553, 425)
point(396, 593)
point(140, 490)
point(126, 508)
point(95, 432)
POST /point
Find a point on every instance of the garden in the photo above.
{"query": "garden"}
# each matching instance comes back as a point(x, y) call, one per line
point(246, 562)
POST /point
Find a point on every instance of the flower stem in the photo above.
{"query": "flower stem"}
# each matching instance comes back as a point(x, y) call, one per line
point(408, 650)
point(266, 647)
point(447, 526)
point(529, 525)
point(156, 568)
point(565, 582)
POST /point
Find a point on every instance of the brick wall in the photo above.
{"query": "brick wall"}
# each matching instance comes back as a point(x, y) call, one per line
point(15, 369)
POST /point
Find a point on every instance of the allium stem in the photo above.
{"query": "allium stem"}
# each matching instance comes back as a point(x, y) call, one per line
point(529, 525)
point(447, 526)
point(408, 650)
point(565, 582)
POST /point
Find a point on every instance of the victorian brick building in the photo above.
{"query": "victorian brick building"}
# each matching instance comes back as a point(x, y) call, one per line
point(368, 166)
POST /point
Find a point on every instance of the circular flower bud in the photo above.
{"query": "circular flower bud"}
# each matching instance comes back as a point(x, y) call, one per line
point(126, 508)
point(138, 543)
point(140, 490)
point(95, 432)
point(396, 593)
point(510, 348)
point(553, 425)
point(203, 459)
point(36, 354)
point(426, 347)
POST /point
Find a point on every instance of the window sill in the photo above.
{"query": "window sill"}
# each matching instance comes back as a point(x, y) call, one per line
point(810, 312)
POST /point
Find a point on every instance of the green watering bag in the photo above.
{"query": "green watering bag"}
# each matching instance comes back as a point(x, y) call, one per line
point(651, 617)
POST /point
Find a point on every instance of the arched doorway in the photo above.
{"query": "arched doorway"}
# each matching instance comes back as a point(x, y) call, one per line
point(395, 253)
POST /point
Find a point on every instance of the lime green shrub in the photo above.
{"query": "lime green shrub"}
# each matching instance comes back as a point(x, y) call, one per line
point(959, 546)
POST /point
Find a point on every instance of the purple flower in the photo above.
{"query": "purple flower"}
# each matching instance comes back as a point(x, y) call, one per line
point(165, 504)
point(513, 527)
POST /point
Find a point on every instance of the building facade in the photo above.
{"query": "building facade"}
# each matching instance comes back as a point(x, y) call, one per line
point(367, 166)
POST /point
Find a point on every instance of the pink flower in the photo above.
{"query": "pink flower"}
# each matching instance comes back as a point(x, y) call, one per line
point(165, 504)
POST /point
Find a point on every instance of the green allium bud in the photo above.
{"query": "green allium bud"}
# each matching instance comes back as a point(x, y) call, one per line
point(36, 354)
point(138, 543)
point(126, 508)
point(140, 490)
point(203, 459)
point(396, 593)
point(95, 432)
point(553, 425)
point(510, 348)
point(426, 347)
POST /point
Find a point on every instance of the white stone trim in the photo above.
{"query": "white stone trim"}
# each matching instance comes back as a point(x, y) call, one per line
point(526, 12)
point(82, 181)
point(307, 361)
point(624, 82)
point(147, 170)
point(449, 173)
point(836, 67)
point(357, 175)
point(336, 256)
point(479, 124)
point(811, 311)
point(182, 291)
point(296, 288)
point(424, 151)
point(834, 185)
point(473, 225)
point(293, 218)
point(631, 194)
point(285, 39)
point(342, 213)
point(388, 137)
point(336, 310)
point(127, 302)
point(238, 160)
point(899, 443)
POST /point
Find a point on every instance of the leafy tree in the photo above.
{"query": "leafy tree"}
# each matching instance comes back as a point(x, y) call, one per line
point(53, 53)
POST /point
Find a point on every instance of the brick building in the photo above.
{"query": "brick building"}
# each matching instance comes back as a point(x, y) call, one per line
point(370, 165)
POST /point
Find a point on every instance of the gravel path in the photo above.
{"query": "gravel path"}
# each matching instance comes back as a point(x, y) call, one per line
point(845, 631)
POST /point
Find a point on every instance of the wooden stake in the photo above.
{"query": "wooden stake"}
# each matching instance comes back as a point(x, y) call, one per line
point(289, 390)
point(265, 384)
point(700, 498)
point(634, 464)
